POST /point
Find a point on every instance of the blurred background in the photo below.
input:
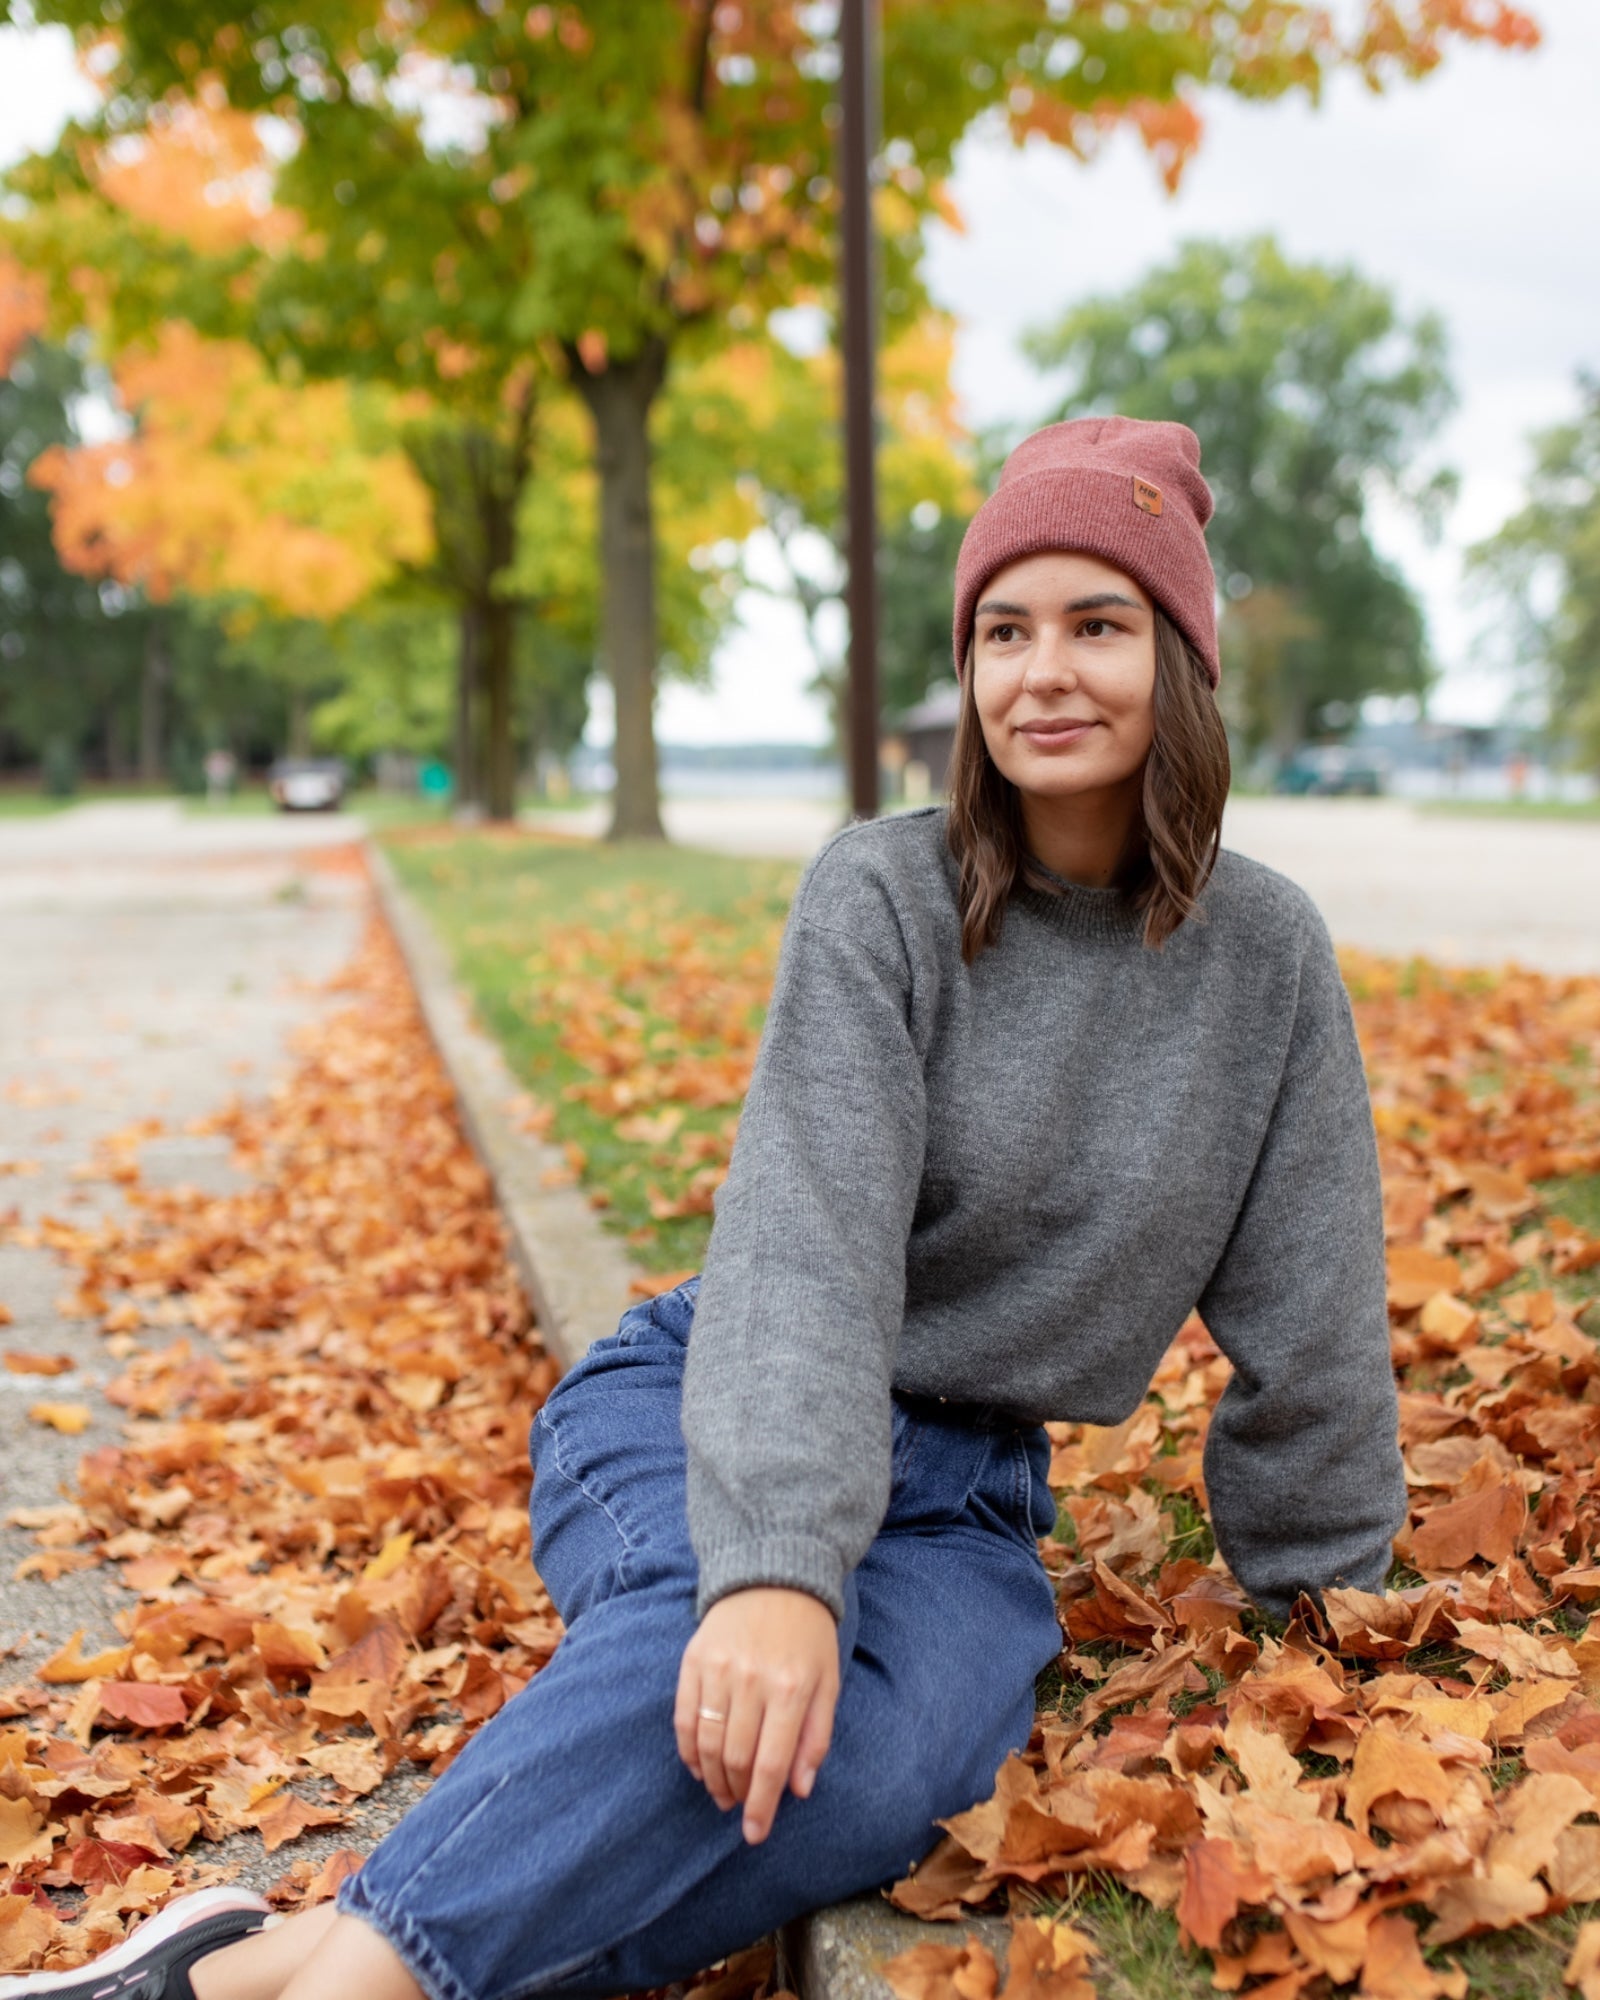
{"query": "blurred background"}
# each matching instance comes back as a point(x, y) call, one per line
point(438, 405)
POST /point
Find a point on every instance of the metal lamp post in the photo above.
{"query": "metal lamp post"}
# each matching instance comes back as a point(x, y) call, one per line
point(858, 136)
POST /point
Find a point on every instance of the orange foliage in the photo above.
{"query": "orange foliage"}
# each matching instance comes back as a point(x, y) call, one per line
point(233, 483)
point(321, 1509)
point(199, 172)
point(22, 310)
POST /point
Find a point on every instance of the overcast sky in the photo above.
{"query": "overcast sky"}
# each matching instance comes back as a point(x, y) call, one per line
point(1473, 193)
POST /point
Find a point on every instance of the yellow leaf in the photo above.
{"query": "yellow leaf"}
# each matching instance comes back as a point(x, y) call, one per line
point(389, 1558)
point(69, 1418)
point(69, 1665)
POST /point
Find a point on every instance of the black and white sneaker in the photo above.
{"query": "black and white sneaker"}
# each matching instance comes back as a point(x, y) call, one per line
point(153, 1963)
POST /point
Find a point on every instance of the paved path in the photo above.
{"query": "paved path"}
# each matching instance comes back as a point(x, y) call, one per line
point(156, 851)
point(1463, 889)
point(150, 966)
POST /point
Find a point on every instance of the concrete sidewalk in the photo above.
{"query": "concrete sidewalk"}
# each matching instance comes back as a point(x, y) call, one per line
point(124, 853)
point(144, 973)
point(1465, 889)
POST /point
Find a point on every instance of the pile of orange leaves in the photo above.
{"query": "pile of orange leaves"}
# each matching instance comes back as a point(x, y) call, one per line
point(319, 1500)
point(1398, 1771)
point(320, 1504)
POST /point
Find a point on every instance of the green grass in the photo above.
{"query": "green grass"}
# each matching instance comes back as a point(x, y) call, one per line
point(1520, 1964)
point(1577, 1198)
point(1141, 1957)
point(26, 802)
point(493, 898)
point(1511, 808)
point(574, 802)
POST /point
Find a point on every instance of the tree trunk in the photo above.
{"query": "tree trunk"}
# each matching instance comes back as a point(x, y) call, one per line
point(619, 399)
point(468, 791)
point(152, 701)
point(499, 662)
point(299, 723)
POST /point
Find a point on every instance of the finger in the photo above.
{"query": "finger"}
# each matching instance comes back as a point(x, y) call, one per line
point(775, 1755)
point(711, 1727)
point(816, 1733)
point(685, 1718)
point(743, 1733)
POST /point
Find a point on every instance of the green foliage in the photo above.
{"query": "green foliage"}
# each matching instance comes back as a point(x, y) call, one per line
point(68, 652)
point(1306, 388)
point(79, 662)
point(1544, 563)
point(476, 201)
point(916, 583)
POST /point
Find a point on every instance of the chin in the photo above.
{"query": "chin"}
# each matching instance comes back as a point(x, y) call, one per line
point(1062, 784)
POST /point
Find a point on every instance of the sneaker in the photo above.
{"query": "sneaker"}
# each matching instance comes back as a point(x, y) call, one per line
point(153, 1963)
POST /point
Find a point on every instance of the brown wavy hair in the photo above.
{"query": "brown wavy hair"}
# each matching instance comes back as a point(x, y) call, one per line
point(1173, 844)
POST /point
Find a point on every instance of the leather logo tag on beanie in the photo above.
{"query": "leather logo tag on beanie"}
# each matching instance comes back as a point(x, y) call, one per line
point(1146, 498)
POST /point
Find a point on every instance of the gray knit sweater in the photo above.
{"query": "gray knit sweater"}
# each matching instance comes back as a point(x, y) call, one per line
point(1011, 1182)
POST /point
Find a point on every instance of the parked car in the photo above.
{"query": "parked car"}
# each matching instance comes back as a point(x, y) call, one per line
point(1325, 770)
point(308, 784)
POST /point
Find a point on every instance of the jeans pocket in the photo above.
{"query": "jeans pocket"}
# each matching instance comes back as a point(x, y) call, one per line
point(1012, 1495)
point(934, 1469)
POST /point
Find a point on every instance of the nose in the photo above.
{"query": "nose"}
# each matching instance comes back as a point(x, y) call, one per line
point(1050, 660)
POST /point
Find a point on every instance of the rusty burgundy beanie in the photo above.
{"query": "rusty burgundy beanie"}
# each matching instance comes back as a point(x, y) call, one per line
point(1121, 488)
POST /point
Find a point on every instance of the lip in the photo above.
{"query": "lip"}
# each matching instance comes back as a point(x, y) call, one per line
point(1064, 731)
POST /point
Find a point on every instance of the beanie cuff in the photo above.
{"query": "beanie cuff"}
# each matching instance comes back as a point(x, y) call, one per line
point(1146, 526)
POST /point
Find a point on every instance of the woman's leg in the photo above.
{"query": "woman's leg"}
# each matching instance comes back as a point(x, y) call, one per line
point(259, 1967)
point(567, 1849)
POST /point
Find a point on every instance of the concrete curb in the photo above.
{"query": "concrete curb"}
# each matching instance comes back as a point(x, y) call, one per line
point(579, 1283)
point(838, 1953)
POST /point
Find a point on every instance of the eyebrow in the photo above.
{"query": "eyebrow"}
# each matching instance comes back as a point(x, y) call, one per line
point(1100, 601)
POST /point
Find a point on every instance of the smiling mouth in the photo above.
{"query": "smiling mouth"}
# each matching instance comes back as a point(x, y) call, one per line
point(1046, 730)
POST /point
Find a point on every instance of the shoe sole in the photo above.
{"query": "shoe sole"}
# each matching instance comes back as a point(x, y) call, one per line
point(177, 1917)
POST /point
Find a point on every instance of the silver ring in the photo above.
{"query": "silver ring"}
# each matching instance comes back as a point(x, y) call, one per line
point(712, 1715)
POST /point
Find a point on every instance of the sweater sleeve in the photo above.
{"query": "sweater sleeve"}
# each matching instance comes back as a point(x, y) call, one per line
point(786, 1399)
point(1302, 1460)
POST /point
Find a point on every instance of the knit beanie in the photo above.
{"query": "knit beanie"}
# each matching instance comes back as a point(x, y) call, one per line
point(1121, 488)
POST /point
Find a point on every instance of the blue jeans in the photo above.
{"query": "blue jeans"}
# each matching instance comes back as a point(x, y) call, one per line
point(567, 1849)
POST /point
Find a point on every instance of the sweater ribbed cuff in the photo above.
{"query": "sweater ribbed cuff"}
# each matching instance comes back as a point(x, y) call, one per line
point(777, 1561)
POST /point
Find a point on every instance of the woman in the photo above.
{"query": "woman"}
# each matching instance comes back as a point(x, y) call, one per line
point(1043, 1070)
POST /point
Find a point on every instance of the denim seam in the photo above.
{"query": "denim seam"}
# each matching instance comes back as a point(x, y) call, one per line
point(629, 1546)
point(913, 1435)
point(401, 1932)
point(420, 1953)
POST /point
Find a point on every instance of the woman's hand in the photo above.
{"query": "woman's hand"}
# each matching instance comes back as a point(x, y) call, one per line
point(765, 1663)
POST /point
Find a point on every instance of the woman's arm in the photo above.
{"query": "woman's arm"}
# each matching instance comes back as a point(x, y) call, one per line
point(786, 1402)
point(786, 1405)
point(1302, 1460)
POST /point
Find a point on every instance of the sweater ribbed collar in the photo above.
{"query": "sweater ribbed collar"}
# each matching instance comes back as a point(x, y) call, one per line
point(1077, 911)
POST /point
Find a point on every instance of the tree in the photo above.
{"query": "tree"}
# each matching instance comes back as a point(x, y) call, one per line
point(1307, 389)
point(231, 488)
point(231, 485)
point(1544, 563)
point(769, 413)
point(618, 187)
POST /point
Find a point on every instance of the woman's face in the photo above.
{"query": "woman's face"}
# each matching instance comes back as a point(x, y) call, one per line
point(1064, 669)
